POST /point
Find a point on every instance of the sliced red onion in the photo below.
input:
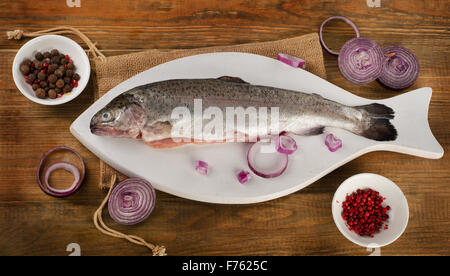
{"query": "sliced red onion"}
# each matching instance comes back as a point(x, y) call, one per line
point(79, 176)
point(201, 167)
point(285, 144)
point(292, 60)
point(65, 166)
point(400, 67)
point(333, 143)
point(243, 177)
point(131, 201)
point(361, 60)
point(265, 161)
point(345, 19)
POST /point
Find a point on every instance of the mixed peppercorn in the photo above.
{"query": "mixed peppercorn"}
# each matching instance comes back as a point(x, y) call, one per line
point(50, 74)
point(363, 212)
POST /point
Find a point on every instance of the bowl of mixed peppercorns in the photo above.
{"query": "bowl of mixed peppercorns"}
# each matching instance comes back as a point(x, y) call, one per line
point(370, 210)
point(51, 69)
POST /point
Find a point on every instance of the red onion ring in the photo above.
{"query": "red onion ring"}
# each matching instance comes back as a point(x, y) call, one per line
point(346, 20)
point(255, 154)
point(79, 176)
point(131, 201)
point(361, 60)
point(400, 67)
point(285, 144)
point(65, 166)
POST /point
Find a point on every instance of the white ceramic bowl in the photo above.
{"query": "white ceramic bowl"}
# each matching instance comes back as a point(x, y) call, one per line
point(398, 215)
point(46, 43)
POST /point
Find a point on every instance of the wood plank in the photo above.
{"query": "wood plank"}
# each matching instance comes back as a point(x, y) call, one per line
point(32, 223)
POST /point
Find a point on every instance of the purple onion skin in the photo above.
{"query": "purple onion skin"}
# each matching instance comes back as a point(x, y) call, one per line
point(361, 60)
point(400, 68)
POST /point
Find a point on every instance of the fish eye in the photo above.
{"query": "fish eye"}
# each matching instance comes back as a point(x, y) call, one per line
point(107, 116)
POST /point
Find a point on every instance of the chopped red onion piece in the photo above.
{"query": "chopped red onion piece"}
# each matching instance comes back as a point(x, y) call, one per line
point(243, 176)
point(285, 144)
point(131, 201)
point(400, 67)
point(361, 60)
point(345, 19)
point(201, 167)
point(292, 60)
point(333, 143)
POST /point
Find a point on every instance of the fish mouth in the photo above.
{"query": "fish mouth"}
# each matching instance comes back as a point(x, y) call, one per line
point(101, 131)
point(111, 131)
point(107, 131)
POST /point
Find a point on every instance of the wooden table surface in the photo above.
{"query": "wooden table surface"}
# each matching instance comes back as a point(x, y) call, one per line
point(32, 223)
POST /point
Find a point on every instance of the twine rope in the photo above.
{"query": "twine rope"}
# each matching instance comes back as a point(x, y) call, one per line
point(19, 34)
point(157, 250)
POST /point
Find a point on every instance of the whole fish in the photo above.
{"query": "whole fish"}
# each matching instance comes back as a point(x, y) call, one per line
point(147, 112)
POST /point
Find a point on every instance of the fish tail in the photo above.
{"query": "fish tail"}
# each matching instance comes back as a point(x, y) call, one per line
point(379, 127)
point(377, 110)
point(410, 125)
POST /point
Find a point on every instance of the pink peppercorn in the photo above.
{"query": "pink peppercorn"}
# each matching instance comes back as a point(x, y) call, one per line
point(363, 212)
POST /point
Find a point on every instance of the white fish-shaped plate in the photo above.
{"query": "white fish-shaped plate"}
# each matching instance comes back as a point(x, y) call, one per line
point(173, 170)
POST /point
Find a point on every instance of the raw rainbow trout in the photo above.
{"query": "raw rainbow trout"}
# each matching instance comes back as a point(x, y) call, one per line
point(153, 112)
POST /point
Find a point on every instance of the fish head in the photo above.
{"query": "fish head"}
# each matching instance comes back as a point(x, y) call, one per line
point(122, 117)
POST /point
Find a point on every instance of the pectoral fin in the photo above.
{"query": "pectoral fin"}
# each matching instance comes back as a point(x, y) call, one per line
point(156, 131)
point(311, 131)
point(315, 131)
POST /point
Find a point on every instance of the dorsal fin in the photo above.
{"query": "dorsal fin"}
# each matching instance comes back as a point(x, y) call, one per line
point(232, 79)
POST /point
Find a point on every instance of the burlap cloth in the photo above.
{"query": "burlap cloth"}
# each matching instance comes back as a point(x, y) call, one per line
point(116, 69)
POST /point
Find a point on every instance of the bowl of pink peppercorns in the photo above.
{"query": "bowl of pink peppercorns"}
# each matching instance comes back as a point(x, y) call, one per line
point(370, 210)
point(51, 69)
